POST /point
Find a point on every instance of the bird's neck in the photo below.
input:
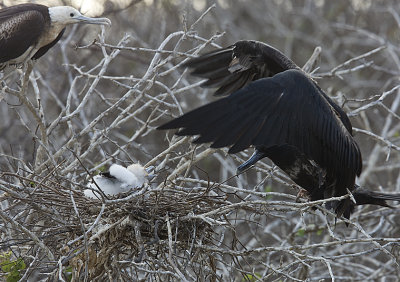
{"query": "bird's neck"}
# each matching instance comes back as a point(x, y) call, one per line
point(53, 31)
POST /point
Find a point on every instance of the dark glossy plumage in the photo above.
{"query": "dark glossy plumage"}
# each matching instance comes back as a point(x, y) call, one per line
point(26, 21)
point(276, 107)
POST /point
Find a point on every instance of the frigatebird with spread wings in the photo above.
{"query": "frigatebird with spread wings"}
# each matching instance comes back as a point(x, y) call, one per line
point(280, 110)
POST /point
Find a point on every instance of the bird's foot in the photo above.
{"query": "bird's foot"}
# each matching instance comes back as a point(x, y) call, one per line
point(303, 193)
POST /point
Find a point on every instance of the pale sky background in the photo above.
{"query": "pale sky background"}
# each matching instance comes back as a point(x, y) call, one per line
point(93, 8)
point(90, 8)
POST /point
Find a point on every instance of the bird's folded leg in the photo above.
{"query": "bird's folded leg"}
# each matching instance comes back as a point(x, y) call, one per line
point(25, 78)
point(253, 159)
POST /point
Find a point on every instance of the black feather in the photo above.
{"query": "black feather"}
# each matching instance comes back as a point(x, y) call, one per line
point(276, 107)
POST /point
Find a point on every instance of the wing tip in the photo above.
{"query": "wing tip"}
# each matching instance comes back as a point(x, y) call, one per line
point(167, 126)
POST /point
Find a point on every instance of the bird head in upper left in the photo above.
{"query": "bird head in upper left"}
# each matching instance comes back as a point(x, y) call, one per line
point(68, 15)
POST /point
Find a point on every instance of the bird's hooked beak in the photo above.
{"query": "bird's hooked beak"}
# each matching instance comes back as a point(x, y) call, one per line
point(87, 20)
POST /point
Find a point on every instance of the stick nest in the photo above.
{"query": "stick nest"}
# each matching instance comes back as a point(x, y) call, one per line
point(134, 228)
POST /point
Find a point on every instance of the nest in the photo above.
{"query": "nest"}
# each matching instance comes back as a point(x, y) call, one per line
point(87, 237)
point(180, 229)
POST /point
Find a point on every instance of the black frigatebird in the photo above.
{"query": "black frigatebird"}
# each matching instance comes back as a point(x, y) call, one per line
point(280, 110)
point(28, 31)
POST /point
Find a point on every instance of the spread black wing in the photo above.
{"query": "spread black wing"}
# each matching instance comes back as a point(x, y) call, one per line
point(279, 109)
point(231, 68)
point(20, 28)
point(286, 109)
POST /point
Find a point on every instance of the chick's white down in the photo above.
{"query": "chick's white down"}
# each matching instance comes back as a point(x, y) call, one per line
point(122, 180)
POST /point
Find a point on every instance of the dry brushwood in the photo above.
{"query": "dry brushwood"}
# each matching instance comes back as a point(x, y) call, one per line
point(133, 227)
point(100, 98)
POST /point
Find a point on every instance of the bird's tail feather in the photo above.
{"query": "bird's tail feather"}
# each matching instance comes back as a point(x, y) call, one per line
point(365, 197)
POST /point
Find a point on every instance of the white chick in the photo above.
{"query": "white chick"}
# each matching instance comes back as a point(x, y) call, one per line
point(117, 180)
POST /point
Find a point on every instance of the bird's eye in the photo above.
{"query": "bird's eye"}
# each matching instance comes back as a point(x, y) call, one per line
point(71, 15)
